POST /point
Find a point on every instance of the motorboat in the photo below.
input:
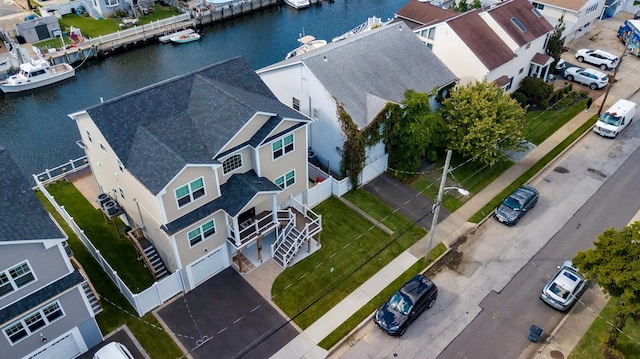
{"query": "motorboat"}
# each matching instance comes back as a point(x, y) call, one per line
point(181, 39)
point(37, 73)
point(298, 4)
point(308, 43)
point(370, 24)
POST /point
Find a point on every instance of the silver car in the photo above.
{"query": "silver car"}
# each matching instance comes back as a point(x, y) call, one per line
point(590, 77)
point(564, 288)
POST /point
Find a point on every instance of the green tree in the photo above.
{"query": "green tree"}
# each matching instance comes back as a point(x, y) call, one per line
point(483, 122)
point(460, 6)
point(556, 43)
point(412, 132)
point(476, 4)
point(614, 264)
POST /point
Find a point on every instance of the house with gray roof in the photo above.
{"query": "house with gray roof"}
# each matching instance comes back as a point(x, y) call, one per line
point(47, 307)
point(358, 75)
point(501, 43)
point(208, 170)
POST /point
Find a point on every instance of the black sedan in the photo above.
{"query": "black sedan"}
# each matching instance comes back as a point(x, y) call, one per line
point(516, 205)
point(405, 305)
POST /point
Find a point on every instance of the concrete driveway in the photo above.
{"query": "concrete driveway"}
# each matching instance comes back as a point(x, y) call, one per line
point(226, 318)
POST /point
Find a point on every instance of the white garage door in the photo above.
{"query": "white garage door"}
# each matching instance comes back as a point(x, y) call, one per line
point(207, 266)
point(63, 348)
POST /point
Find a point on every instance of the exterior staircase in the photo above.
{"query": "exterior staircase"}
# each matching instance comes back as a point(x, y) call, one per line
point(154, 262)
point(93, 300)
point(298, 228)
point(289, 247)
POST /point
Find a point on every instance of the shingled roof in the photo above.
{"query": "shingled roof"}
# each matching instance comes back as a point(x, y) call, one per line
point(415, 14)
point(521, 10)
point(22, 215)
point(574, 5)
point(157, 130)
point(365, 71)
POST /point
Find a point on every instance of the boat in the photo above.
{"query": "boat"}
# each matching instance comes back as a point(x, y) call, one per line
point(308, 43)
point(370, 24)
point(167, 38)
point(185, 38)
point(298, 4)
point(37, 73)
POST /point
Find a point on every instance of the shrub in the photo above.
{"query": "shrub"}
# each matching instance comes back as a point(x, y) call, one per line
point(520, 97)
point(536, 87)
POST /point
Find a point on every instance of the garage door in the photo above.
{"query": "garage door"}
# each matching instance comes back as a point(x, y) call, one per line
point(207, 266)
point(63, 347)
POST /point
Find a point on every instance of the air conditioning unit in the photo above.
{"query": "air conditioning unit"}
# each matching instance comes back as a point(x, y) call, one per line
point(109, 206)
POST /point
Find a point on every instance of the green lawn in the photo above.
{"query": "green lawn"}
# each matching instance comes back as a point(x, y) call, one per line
point(352, 251)
point(117, 311)
point(589, 347)
point(105, 235)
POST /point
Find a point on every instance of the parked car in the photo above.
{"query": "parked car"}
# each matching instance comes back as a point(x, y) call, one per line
point(405, 305)
point(604, 60)
point(590, 77)
point(560, 66)
point(564, 289)
point(113, 350)
point(516, 205)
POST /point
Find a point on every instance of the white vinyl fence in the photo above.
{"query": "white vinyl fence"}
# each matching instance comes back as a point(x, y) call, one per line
point(142, 302)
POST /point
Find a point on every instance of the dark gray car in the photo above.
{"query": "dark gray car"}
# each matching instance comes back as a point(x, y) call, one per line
point(516, 205)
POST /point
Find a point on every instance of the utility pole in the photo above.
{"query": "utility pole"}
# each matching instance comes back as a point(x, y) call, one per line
point(436, 206)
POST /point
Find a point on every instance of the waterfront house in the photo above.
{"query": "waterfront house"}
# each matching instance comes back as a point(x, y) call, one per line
point(501, 43)
point(208, 169)
point(578, 15)
point(358, 75)
point(47, 307)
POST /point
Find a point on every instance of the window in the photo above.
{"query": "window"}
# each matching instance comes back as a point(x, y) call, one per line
point(537, 6)
point(231, 163)
point(201, 233)
point(507, 87)
point(521, 70)
point(33, 322)
point(111, 3)
point(88, 135)
point(430, 46)
point(528, 45)
point(296, 104)
point(287, 180)
point(121, 192)
point(282, 146)
point(519, 24)
point(120, 165)
point(190, 192)
point(15, 278)
point(316, 113)
point(102, 147)
point(432, 33)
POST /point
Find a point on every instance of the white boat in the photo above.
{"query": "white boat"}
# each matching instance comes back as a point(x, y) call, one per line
point(298, 4)
point(37, 73)
point(371, 23)
point(194, 36)
point(308, 43)
point(166, 38)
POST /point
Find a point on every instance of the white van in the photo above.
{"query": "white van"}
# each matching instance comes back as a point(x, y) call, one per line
point(619, 116)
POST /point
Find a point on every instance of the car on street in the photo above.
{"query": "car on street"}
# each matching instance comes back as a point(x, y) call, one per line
point(564, 289)
point(519, 202)
point(590, 77)
point(405, 305)
point(604, 60)
point(113, 350)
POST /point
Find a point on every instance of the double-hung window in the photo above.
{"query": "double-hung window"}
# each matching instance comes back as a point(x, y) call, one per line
point(201, 233)
point(15, 278)
point(190, 192)
point(33, 322)
point(286, 180)
point(282, 146)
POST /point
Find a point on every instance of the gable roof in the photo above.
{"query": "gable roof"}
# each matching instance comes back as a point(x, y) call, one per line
point(415, 14)
point(22, 215)
point(157, 130)
point(378, 64)
point(481, 40)
point(521, 10)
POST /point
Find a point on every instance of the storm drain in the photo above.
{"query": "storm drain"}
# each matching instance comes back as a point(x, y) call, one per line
point(597, 172)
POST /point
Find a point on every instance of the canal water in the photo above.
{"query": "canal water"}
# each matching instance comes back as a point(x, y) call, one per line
point(39, 134)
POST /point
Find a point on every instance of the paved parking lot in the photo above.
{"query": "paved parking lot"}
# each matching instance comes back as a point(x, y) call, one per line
point(226, 318)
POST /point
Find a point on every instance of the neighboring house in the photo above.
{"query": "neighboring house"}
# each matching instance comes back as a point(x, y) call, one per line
point(47, 308)
point(502, 43)
point(205, 167)
point(578, 14)
point(360, 75)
